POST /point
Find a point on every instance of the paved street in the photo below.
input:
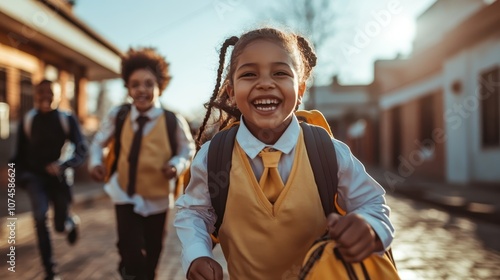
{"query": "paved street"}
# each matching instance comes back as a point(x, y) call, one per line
point(430, 244)
point(93, 257)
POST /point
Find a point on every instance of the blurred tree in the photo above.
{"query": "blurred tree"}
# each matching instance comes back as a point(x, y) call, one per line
point(313, 18)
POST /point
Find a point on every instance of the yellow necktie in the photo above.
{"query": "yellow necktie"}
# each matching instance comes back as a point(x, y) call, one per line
point(270, 181)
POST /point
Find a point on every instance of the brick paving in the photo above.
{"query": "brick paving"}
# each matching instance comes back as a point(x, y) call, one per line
point(434, 244)
point(95, 255)
point(430, 244)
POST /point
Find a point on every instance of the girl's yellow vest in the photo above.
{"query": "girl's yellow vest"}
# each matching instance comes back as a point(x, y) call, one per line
point(265, 241)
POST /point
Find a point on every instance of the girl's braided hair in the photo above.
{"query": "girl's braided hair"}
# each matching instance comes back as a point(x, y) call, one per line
point(299, 48)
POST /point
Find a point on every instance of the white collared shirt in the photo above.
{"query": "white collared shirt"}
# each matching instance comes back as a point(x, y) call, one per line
point(185, 151)
point(357, 191)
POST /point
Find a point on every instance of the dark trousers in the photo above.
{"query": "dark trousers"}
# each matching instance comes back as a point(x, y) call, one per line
point(43, 190)
point(140, 242)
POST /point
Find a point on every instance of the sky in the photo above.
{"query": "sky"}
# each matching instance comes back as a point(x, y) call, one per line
point(189, 34)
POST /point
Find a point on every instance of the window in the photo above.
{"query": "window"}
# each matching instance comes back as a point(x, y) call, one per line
point(3, 85)
point(396, 115)
point(426, 117)
point(70, 92)
point(490, 107)
point(26, 87)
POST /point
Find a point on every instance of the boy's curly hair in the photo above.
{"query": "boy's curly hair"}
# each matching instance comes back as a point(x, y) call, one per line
point(146, 58)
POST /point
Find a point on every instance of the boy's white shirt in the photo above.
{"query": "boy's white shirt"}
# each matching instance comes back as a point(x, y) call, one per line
point(185, 151)
point(358, 192)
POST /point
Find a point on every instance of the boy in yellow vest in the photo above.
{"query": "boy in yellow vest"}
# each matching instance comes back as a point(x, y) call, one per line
point(147, 161)
point(273, 209)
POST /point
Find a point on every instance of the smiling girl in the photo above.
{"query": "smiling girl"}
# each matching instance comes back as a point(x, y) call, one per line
point(266, 234)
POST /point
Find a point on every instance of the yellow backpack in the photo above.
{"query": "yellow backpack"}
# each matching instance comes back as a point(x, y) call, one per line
point(324, 261)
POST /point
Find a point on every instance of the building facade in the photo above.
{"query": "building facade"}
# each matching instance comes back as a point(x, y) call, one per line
point(352, 113)
point(440, 107)
point(45, 40)
point(436, 114)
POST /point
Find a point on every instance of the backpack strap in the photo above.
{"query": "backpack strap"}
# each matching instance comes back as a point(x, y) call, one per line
point(219, 158)
point(171, 122)
point(64, 120)
point(323, 160)
point(119, 121)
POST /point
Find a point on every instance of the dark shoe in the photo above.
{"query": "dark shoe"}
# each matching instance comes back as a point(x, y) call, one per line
point(72, 225)
point(53, 277)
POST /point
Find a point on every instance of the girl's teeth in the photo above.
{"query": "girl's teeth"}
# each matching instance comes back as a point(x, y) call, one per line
point(266, 101)
point(271, 108)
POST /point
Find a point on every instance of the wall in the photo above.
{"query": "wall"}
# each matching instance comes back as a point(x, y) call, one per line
point(403, 106)
point(485, 162)
point(431, 27)
point(467, 160)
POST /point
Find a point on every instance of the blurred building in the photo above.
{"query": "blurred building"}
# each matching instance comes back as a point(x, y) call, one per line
point(436, 114)
point(44, 39)
point(440, 108)
point(352, 113)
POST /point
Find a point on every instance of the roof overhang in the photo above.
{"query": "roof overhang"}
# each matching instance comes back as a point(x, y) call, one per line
point(51, 29)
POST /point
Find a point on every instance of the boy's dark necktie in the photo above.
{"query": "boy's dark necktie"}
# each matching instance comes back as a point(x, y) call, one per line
point(133, 156)
point(270, 181)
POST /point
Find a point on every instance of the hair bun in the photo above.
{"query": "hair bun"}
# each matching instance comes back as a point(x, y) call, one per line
point(231, 41)
point(307, 50)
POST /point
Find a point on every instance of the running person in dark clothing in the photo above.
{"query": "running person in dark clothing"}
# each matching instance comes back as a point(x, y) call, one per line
point(41, 136)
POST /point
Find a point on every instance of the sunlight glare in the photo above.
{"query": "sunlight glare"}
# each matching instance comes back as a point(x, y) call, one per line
point(400, 33)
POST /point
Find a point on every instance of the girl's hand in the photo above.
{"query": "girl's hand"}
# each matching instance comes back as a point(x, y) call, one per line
point(98, 173)
point(354, 236)
point(169, 171)
point(204, 268)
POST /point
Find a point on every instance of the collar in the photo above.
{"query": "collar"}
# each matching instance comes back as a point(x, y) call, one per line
point(252, 146)
point(153, 113)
